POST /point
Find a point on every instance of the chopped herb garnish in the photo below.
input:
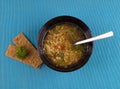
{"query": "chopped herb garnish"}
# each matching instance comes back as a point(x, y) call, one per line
point(76, 47)
point(72, 39)
point(62, 56)
point(21, 52)
point(54, 54)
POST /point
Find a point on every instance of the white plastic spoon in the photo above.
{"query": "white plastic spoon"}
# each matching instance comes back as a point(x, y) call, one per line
point(102, 36)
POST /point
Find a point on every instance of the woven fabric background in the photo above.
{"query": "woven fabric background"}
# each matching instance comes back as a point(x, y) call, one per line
point(102, 70)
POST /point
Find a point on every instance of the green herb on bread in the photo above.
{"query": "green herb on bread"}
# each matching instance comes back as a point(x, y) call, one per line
point(21, 52)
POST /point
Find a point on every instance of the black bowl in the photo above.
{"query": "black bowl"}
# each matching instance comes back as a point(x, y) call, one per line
point(43, 32)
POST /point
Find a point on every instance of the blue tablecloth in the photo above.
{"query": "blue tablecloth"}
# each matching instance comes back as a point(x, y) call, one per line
point(101, 72)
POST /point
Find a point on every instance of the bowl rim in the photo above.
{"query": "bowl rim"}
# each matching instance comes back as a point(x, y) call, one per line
point(45, 29)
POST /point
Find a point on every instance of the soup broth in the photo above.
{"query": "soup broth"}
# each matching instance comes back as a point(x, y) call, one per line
point(59, 44)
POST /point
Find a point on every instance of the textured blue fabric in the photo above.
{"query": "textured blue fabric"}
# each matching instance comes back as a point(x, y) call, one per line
point(101, 72)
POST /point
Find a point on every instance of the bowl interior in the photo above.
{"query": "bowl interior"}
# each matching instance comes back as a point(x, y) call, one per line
point(43, 33)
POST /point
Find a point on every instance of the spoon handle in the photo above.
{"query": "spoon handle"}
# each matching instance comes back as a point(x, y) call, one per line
point(102, 36)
